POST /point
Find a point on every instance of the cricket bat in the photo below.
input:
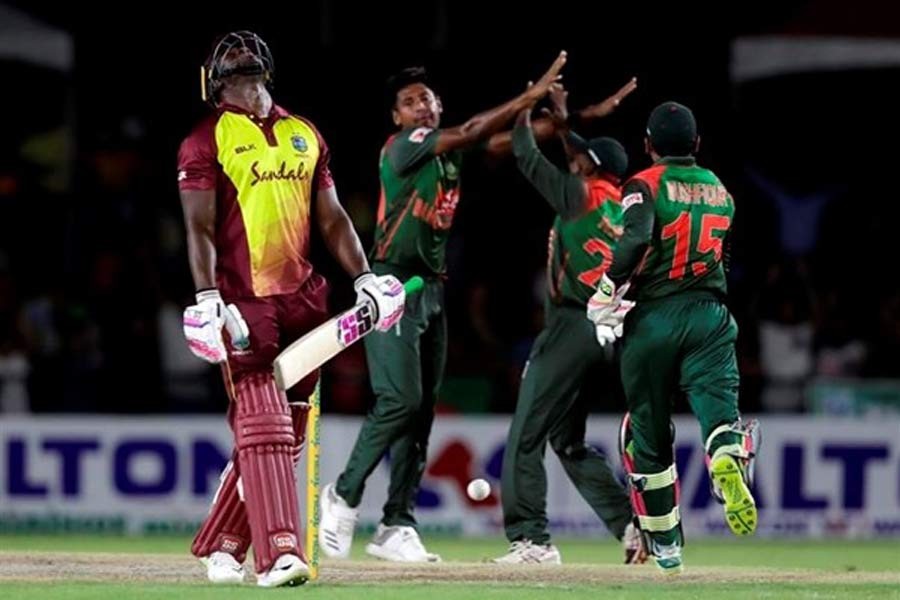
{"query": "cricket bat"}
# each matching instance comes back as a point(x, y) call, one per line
point(325, 341)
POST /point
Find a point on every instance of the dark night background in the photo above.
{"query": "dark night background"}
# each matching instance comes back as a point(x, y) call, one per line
point(93, 270)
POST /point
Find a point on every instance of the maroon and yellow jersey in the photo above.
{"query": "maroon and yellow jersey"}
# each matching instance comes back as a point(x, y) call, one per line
point(265, 173)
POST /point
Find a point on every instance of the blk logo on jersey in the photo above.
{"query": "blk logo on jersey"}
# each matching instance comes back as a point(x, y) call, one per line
point(244, 148)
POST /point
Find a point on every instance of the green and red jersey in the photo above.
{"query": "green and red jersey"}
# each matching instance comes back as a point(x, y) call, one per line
point(419, 194)
point(676, 217)
point(587, 225)
point(581, 248)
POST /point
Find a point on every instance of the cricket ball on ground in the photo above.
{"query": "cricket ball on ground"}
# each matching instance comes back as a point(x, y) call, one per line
point(478, 489)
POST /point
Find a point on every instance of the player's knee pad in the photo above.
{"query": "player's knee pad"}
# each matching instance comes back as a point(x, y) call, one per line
point(744, 451)
point(640, 483)
point(262, 415)
point(265, 439)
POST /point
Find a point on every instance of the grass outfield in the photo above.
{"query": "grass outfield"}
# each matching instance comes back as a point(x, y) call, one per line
point(107, 568)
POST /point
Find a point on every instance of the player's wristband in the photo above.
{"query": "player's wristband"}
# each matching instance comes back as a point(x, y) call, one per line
point(207, 294)
point(362, 279)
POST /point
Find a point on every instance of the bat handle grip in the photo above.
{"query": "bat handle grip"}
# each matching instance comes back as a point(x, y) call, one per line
point(413, 284)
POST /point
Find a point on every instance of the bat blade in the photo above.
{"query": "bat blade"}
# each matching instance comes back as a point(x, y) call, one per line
point(321, 344)
point(328, 339)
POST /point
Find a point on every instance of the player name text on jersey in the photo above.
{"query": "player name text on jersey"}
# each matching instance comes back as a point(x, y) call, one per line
point(697, 193)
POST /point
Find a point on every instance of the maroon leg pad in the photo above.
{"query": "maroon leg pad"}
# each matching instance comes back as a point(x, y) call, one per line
point(265, 440)
point(226, 528)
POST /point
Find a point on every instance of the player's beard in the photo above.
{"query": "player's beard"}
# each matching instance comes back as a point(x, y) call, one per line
point(260, 99)
point(250, 92)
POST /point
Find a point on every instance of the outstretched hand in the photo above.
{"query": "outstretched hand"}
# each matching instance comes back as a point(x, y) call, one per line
point(544, 84)
point(602, 109)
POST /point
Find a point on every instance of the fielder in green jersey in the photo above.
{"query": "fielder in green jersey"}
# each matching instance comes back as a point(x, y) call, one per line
point(679, 337)
point(420, 169)
point(550, 407)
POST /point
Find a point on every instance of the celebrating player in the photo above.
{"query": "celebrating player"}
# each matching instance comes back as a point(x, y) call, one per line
point(679, 337)
point(550, 407)
point(249, 175)
point(420, 177)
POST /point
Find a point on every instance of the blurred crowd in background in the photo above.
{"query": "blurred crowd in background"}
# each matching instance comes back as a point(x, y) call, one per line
point(93, 268)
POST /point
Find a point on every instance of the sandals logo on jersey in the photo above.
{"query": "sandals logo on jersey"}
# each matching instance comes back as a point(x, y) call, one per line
point(299, 143)
point(298, 173)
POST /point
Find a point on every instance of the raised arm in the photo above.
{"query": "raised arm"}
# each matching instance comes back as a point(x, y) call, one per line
point(500, 144)
point(564, 191)
point(484, 124)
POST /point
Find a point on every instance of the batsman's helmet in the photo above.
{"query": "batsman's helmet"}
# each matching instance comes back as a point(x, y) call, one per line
point(235, 53)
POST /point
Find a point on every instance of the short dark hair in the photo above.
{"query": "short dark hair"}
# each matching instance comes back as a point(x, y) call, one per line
point(405, 77)
point(672, 129)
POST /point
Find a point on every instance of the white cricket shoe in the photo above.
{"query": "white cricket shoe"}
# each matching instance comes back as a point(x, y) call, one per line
point(399, 544)
point(289, 569)
point(667, 557)
point(338, 520)
point(222, 567)
point(633, 543)
point(527, 552)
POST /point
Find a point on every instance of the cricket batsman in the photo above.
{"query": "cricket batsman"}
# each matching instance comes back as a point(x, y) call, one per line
point(249, 176)
point(679, 337)
point(587, 202)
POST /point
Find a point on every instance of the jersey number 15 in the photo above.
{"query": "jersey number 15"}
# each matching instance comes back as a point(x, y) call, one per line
point(680, 229)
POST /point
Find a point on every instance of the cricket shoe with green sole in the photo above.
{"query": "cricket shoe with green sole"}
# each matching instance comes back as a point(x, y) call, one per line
point(731, 473)
point(740, 507)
